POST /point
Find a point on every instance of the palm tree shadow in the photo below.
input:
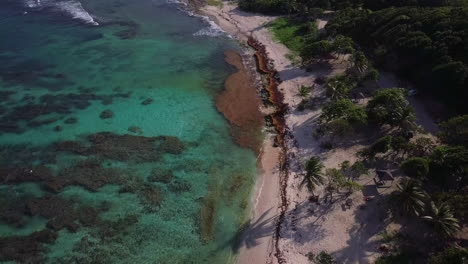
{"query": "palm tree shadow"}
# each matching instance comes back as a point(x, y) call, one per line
point(372, 220)
point(250, 233)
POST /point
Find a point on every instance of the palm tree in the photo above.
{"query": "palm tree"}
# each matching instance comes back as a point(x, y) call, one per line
point(410, 197)
point(313, 176)
point(442, 219)
point(359, 61)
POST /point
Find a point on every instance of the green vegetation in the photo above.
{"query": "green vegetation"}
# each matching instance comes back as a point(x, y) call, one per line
point(442, 220)
point(304, 91)
point(214, 2)
point(422, 41)
point(449, 167)
point(455, 130)
point(410, 197)
point(451, 255)
point(339, 87)
point(458, 201)
point(294, 34)
point(322, 258)
point(389, 106)
point(313, 176)
point(425, 45)
point(346, 110)
point(415, 167)
point(403, 257)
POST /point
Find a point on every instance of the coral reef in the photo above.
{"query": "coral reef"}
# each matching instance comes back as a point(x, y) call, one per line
point(160, 175)
point(124, 147)
point(106, 114)
point(147, 101)
point(26, 249)
point(135, 129)
point(179, 185)
point(71, 120)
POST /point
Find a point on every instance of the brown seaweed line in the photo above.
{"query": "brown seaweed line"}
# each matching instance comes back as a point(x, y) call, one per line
point(276, 98)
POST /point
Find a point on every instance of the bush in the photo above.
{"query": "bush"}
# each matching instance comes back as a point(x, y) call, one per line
point(399, 258)
point(455, 131)
point(304, 91)
point(322, 258)
point(317, 49)
point(382, 145)
point(448, 167)
point(344, 109)
point(265, 6)
point(452, 255)
point(371, 75)
point(390, 106)
point(339, 87)
point(458, 201)
point(415, 167)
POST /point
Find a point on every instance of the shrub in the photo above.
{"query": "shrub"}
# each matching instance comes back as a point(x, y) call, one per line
point(339, 87)
point(372, 75)
point(344, 109)
point(389, 106)
point(455, 131)
point(415, 167)
point(452, 255)
point(382, 145)
point(399, 258)
point(458, 201)
point(322, 258)
point(304, 91)
point(448, 166)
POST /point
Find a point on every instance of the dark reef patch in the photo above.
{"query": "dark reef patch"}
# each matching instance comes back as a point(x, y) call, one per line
point(106, 114)
point(160, 175)
point(5, 95)
point(150, 196)
point(88, 174)
point(71, 120)
point(26, 249)
point(179, 185)
point(135, 129)
point(38, 123)
point(133, 148)
point(61, 104)
point(147, 101)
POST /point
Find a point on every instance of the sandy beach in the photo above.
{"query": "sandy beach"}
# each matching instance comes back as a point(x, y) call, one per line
point(350, 234)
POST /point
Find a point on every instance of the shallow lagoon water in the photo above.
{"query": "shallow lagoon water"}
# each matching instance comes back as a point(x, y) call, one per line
point(149, 65)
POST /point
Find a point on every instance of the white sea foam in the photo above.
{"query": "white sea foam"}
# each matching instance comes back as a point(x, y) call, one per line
point(176, 2)
point(71, 7)
point(76, 10)
point(212, 30)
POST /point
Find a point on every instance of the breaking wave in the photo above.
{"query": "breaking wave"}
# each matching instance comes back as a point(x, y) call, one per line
point(72, 7)
point(212, 30)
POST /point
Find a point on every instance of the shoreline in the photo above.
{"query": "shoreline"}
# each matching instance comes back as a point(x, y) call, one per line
point(286, 227)
point(296, 227)
point(269, 197)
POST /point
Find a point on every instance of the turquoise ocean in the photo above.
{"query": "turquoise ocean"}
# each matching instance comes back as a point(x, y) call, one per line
point(111, 147)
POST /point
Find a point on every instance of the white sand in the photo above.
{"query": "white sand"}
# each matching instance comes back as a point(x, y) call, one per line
point(350, 235)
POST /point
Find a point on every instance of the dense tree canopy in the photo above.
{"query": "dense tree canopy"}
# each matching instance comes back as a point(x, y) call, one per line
point(389, 106)
point(428, 46)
